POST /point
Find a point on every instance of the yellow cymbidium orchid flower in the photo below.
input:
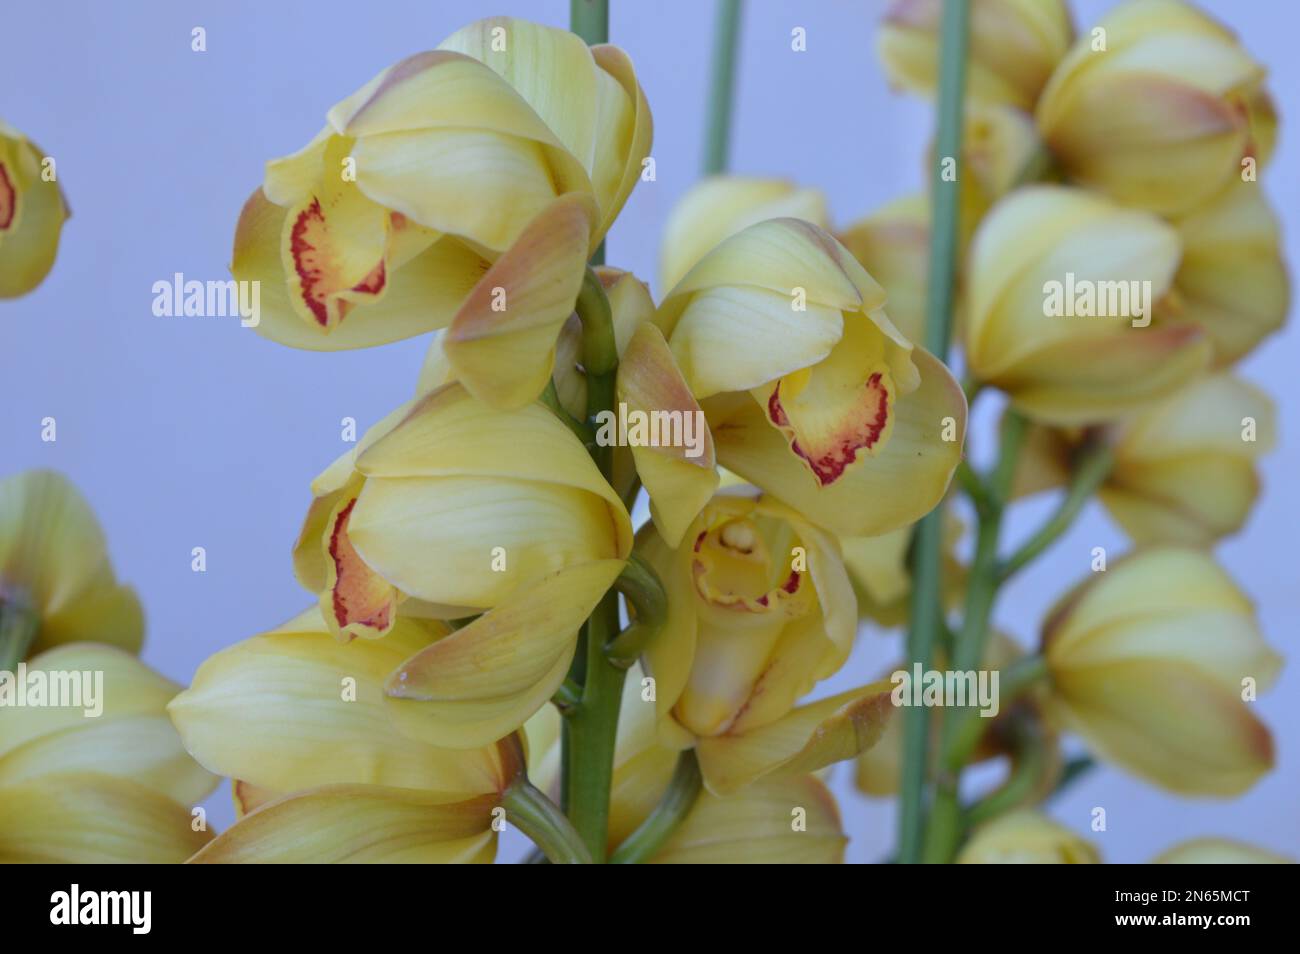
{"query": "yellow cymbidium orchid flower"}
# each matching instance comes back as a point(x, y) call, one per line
point(458, 506)
point(1014, 46)
point(718, 207)
point(1231, 281)
point(512, 146)
point(54, 565)
point(1218, 851)
point(32, 213)
point(1062, 284)
point(760, 609)
point(1184, 468)
point(101, 778)
point(1157, 106)
point(322, 773)
point(1151, 662)
point(1027, 837)
point(810, 390)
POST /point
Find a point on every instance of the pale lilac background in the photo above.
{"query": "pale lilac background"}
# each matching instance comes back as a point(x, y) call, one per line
point(195, 432)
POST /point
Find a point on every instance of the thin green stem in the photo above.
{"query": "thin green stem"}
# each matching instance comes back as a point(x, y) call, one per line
point(926, 599)
point(1091, 468)
point(722, 86)
point(640, 586)
point(18, 629)
point(589, 19)
point(968, 652)
point(591, 726)
point(972, 484)
point(593, 731)
point(1025, 777)
point(538, 817)
point(673, 807)
point(551, 398)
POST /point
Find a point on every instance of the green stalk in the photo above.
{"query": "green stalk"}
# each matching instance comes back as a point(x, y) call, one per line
point(589, 19)
point(640, 586)
point(968, 653)
point(673, 807)
point(18, 629)
point(1091, 468)
point(717, 128)
point(537, 817)
point(926, 612)
point(591, 726)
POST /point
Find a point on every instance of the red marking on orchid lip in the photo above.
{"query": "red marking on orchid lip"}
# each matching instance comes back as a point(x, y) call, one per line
point(8, 199)
point(699, 541)
point(829, 465)
point(312, 262)
point(762, 600)
point(791, 585)
point(775, 412)
point(338, 541)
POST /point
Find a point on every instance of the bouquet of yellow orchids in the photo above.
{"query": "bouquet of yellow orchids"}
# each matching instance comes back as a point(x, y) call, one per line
point(591, 580)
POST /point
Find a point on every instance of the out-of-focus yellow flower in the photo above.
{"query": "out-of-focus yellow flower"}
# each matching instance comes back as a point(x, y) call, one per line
point(718, 207)
point(893, 245)
point(98, 779)
point(1062, 285)
point(811, 392)
point(1218, 851)
point(1151, 662)
point(1014, 46)
point(321, 773)
point(54, 564)
point(32, 213)
point(882, 579)
point(760, 609)
point(1162, 116)
point(512, 144)
point(1184, 468)
point(1231, 281)
point(1026, 837)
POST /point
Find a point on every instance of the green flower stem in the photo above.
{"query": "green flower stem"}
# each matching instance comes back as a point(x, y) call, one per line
point(640, 586)
point(551, 398)
point(537, 817)
point(973, 486)
point(591, 726)
point(592, 732)
point(1031, 763)
point(717, 129)
point(18, 629)
point(968, 651)
point(926, 611)
point(1075, 769)
point(589, 19)
point(673, 807)
point(1091, 468)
